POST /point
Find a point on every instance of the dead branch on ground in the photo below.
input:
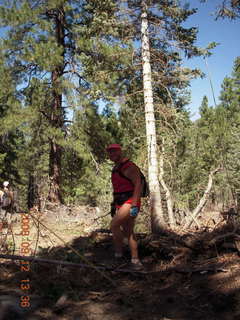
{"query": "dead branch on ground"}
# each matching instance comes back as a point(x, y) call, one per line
point(203, 200)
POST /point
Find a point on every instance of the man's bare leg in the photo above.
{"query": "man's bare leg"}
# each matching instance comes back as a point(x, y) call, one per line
point(117, 221)
point(123, 220)
point(128, 228)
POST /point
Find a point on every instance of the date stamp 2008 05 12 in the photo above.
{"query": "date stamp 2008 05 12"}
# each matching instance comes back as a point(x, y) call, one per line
point(25, 250)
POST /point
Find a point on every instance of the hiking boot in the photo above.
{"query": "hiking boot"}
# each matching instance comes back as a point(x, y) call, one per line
point(137, 266)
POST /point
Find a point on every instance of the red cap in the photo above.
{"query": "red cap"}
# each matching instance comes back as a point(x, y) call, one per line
point(114, 146)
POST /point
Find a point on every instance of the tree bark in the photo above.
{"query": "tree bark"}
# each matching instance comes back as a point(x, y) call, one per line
point(33, 198)
point(157, 219)
point(57, 113)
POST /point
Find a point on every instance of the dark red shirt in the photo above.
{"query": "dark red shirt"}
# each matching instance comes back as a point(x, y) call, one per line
point(121, 184)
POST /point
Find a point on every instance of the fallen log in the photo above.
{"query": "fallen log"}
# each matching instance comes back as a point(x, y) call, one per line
point(58, 262)
point(70, 264)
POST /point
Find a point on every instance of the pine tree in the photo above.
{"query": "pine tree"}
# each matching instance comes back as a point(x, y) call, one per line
point(11, 136)
point(61, 54)
point(86, 175)
point(229, 110)
point(213, 142)
point(227, 9)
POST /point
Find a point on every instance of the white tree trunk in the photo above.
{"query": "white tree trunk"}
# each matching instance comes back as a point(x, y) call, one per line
point(169, 201)
point(157, 220)
point(203, 200)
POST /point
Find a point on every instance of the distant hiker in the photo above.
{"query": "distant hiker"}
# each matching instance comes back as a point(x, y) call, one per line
point(7, 198)
point(6, 203)
point(1, 195)
point(1, 212)
point(127, 188)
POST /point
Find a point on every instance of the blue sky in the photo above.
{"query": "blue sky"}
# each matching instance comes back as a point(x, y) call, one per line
point(220, 64)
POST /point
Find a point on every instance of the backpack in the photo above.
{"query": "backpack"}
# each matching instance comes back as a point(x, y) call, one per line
point(6, 200)
point(145, 188)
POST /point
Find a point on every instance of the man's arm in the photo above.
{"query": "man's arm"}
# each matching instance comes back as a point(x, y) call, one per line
point(133, 173)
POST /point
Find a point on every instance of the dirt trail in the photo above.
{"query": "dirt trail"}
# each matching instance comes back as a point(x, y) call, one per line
point(193, 277)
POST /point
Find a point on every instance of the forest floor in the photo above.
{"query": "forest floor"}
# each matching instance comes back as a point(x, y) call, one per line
point(187, 276)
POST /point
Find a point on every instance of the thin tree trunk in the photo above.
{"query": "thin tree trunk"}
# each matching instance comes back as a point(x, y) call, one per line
point(203, 200)
point(171, 217)
point(157, 219)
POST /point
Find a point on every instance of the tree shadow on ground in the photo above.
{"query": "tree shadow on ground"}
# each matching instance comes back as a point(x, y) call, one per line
point(190, 277)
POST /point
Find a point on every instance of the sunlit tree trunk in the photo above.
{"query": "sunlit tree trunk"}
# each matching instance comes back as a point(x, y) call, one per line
point(171, 218)
point(157, 219)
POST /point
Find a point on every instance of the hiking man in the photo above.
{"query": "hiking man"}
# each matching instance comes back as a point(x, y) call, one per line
point(127, 186)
